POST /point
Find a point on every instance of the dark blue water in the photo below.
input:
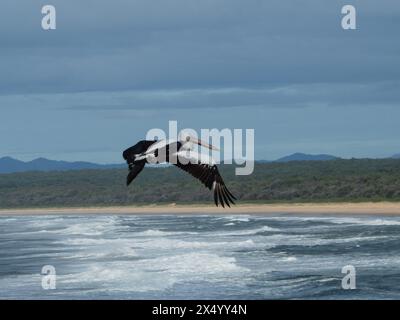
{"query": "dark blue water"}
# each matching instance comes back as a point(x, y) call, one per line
point(199, 257)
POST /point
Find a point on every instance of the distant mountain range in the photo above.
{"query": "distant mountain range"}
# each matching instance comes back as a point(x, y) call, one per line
point(10, 165)
point(307, 157)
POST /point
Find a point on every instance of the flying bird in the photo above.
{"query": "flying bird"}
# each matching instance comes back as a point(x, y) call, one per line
point(179, 153)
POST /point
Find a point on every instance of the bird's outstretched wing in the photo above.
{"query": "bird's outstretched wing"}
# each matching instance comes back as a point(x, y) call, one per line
point(130, 154)
point(210, 177)
point(134, 170)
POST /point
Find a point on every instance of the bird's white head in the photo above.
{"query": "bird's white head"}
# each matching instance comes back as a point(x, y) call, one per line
point(188, 140)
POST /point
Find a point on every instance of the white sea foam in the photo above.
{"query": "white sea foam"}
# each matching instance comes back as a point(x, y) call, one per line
point(212, 244)
point(337, 220)
point(381, 222)
point(248, 231)
point(121, 248)
point(160, 233)
point(361, 221)
point(105, 253)
point(238, 218)
point(93, 227)
point(289, 259)
point(154, 274)
point(172, 244)
point(327, 280)
point(274, 240)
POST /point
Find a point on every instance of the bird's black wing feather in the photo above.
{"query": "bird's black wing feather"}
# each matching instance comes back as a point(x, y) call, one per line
point(140, 147)
point(211, 178)
point(134, 170)
point(135, 167)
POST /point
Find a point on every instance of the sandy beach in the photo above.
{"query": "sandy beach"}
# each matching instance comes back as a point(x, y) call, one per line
point(366, 208)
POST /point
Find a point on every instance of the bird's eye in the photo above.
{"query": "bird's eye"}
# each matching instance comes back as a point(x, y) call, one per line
point(187, 138)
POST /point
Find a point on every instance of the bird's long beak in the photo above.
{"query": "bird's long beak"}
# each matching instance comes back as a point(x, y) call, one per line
point(204, 144)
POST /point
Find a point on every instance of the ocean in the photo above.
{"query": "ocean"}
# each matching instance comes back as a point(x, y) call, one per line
point(198, 257)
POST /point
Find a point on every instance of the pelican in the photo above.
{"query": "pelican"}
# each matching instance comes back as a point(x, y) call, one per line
point(180, 153)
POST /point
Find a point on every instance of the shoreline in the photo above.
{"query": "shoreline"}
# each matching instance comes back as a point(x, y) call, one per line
point(346, 208)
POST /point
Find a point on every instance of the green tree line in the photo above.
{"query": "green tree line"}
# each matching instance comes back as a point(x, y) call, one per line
point(301, 181)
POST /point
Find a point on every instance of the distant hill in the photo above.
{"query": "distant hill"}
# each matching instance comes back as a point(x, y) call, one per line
point(10, 165)
point(307, 157)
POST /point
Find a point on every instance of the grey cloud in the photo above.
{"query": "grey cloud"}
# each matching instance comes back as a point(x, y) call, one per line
point(177, 44)
point(290, 96)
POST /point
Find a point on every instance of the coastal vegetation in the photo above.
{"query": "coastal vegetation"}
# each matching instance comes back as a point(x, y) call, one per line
point(339, 180)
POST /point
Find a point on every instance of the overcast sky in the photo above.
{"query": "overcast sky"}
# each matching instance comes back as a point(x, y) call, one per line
point(114, 69)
